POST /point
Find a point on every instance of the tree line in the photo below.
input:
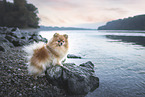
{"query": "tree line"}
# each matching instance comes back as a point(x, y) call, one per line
point(131, 23)
point(18, 14)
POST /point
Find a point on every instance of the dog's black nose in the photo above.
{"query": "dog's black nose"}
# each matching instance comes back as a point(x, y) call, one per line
point(60, 43)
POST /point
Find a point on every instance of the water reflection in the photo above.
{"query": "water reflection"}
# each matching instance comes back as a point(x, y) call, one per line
point(139, 40)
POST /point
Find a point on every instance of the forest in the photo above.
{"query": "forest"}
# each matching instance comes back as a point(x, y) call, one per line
point(131, 23)
point(18, 14)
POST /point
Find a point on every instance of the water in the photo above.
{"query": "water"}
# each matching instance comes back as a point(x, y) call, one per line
point(119, 58)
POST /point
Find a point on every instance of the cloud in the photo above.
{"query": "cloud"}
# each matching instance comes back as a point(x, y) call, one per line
point(70, 12)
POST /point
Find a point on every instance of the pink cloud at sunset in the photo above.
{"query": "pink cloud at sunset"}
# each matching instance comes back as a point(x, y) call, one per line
point(75, 12)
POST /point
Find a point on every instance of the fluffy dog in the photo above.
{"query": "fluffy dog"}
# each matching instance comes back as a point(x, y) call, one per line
point(40, 55)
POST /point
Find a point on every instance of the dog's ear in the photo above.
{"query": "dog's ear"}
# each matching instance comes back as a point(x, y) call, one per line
point(66, 36)
point(55, 35)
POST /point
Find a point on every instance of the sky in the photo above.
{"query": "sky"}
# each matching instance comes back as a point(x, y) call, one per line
point(85, 13)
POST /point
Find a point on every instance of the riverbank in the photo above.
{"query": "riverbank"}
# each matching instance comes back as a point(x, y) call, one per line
point(14, 78)
point(15, 81)
point(57, 81)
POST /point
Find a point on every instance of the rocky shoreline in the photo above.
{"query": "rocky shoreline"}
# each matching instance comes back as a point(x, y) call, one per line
point(15, 80)
point(13, 37)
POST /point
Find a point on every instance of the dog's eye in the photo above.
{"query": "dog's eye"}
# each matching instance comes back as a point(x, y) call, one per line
point(58, 40)
point(63, 41)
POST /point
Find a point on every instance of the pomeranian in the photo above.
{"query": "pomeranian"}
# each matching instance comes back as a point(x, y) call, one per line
point(41, 55)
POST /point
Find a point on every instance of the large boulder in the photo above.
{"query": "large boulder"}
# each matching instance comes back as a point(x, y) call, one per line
point(75, 80)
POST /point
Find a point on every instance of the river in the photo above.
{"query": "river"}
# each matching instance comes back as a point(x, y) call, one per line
point(119, 58)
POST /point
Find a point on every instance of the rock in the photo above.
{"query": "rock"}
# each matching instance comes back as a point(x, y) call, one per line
point(16, 34)
point(3, 39)
point(75, 80)
point(6, 30)
point(20, 42)
point(10, 38)
point(16, 41)
point(3, 30)
point(43, 39)
point(36, 38)
point(26, 36)
point(88, 64)
point(19, 38)
point(5, 46)
point(73, 56)
point(2, 48)
point(13, 37)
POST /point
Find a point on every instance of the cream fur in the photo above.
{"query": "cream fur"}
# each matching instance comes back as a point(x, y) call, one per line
point(29, 49)
point(40, 55)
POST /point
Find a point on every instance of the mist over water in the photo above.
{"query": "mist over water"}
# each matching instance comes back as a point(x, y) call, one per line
point(119, 58)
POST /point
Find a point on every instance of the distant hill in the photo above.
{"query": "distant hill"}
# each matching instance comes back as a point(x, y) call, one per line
point(62, 28)
point(131, 23)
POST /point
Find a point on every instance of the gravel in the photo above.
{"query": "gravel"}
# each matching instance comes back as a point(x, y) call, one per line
point(15, 80)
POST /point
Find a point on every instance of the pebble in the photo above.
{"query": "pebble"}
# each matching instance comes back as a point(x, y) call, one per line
point(34, 87)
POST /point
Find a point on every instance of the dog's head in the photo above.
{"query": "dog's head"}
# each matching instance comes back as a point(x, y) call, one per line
point(60, 40)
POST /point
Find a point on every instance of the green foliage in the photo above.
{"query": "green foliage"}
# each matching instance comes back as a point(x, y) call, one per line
point(18, 14)
point(131, 23)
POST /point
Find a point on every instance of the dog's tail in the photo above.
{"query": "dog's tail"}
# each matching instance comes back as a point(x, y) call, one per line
point(29, 49)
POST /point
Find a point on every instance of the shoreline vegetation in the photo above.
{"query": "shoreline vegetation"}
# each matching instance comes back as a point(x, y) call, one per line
point(18, 14)
point(130, 23)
